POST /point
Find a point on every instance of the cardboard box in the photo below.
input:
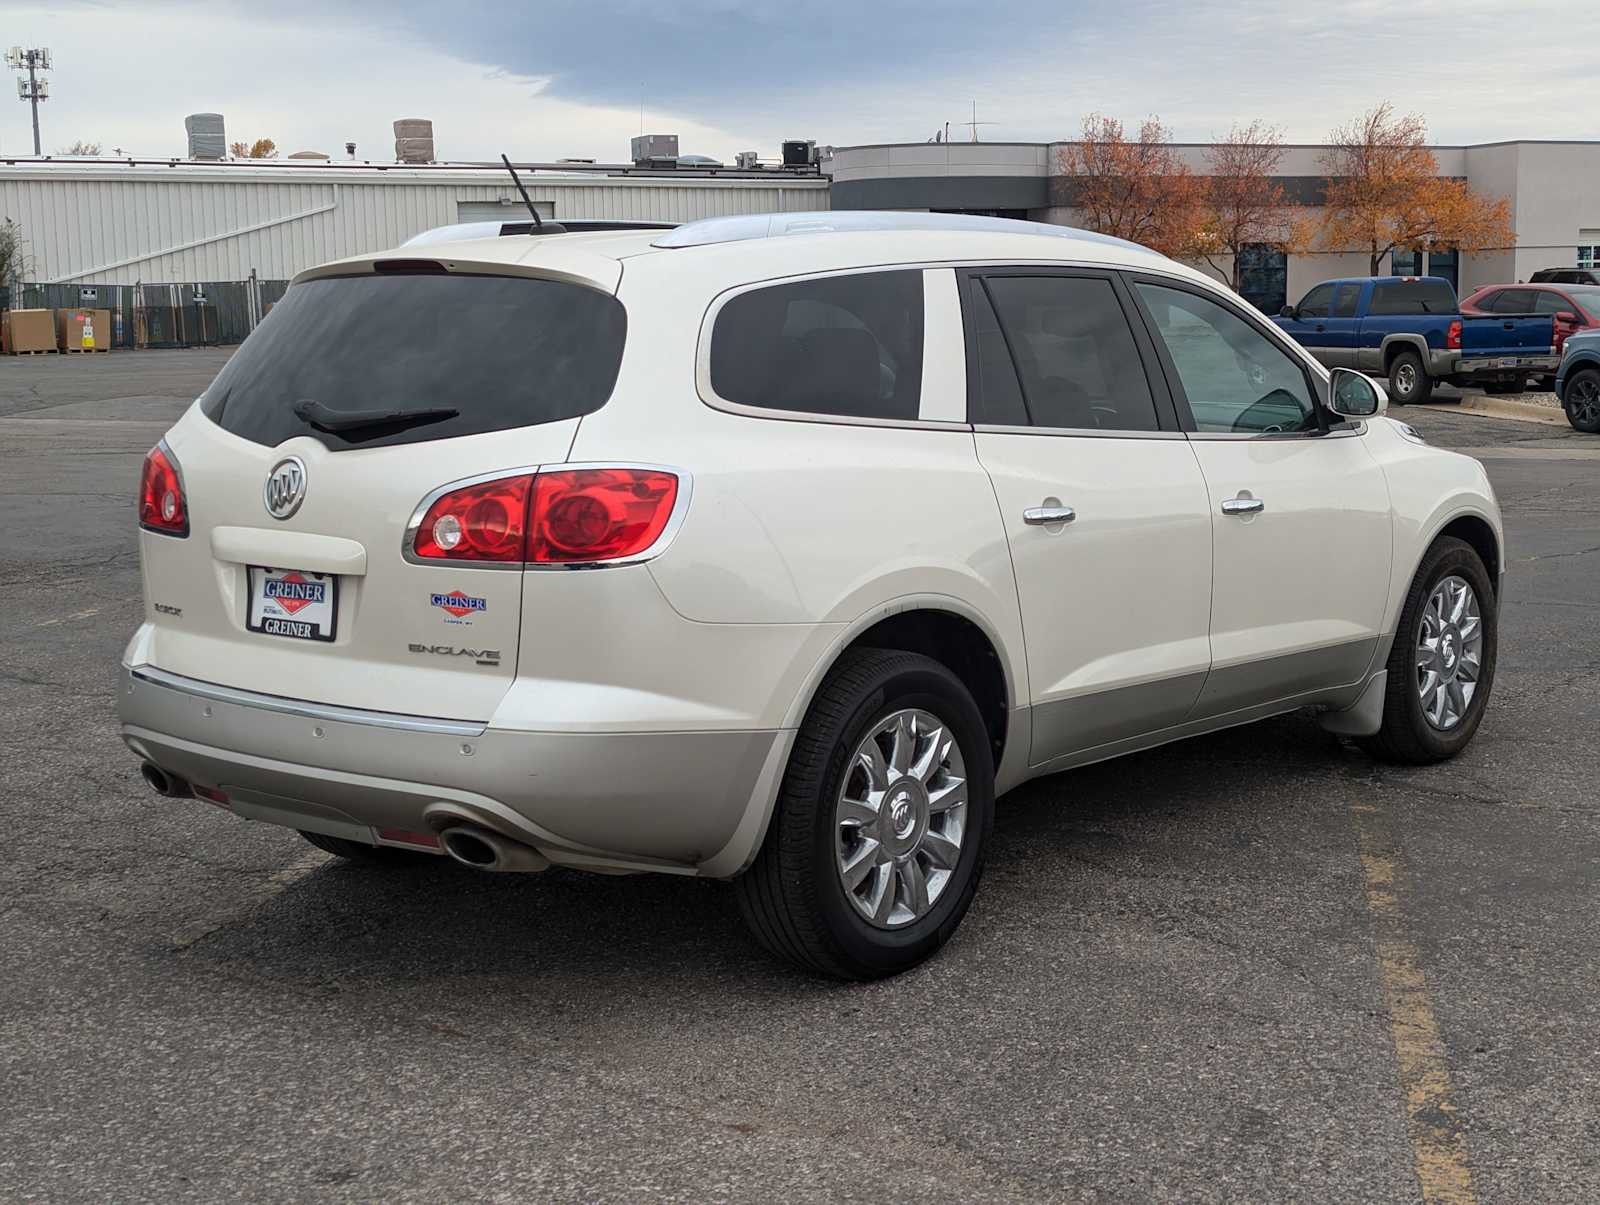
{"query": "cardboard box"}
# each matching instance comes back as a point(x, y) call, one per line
point(83, 330)
point(30, 330)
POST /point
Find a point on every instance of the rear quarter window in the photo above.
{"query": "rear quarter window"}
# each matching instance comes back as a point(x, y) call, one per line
point(843, 346)
point(501, 351)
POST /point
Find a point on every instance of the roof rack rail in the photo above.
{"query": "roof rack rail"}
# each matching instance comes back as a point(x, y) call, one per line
point(775, 225)
point(462, 231)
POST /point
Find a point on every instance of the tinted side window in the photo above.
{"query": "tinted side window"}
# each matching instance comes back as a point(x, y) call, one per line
point(1318, 303)
point(1546, 302)
point(1079, 366)
point(1346, 301)
point(1487, 302)
point(1412, 297)
point(996, 397)
point(849, 346)
point(1234, 376)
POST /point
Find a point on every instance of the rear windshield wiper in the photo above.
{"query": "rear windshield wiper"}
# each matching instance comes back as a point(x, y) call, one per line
point(337, 422)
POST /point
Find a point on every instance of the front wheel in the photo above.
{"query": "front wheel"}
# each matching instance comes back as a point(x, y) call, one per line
point(1441, 668)
point(1409, 381)
point(1582, 401)
point(875, 849)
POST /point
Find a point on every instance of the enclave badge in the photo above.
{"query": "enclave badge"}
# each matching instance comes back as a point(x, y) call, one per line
point(285, 488)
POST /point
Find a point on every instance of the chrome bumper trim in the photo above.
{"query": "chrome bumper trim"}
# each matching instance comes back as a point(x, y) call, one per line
point(299, 707)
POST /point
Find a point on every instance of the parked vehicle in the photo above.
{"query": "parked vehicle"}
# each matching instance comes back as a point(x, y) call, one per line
point(772, 549)
point(1572, 308)
point(1410, 329)
point(1566, 276)
point(1578, 382)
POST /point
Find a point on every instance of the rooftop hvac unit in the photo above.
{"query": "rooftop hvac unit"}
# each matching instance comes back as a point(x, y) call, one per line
point(747, 160)
point(413, 140)
point(647, 147)
point(799, 152)
point(207, 140)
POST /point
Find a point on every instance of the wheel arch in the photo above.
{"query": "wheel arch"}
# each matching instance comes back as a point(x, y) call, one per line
point(1393, 345)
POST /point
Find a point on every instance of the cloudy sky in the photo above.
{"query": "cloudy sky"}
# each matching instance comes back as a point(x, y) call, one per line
point(551, 78)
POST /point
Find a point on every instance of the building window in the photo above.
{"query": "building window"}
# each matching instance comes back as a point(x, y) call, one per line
point(1446, 264)
point(1406, 263)
point(1589, 257)
point(1263, 277)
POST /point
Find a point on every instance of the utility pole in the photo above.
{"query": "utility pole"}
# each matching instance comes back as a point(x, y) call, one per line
point(33, 89)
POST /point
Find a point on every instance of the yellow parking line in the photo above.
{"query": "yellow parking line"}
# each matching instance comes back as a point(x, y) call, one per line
point(1438, 1144)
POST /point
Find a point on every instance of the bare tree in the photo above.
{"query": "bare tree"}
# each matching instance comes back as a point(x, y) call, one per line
point(80, 147)
point(1242, 206)
point(13, 253)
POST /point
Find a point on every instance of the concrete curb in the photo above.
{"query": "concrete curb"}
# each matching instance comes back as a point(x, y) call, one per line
point(1522, 412)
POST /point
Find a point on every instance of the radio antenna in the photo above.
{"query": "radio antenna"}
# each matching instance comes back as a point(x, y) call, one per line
point(517, 180)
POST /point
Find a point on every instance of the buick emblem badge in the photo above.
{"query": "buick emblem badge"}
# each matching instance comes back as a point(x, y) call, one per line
point(285, 488)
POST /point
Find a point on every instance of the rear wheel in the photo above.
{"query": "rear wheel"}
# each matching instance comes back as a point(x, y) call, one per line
point(875, 849)
point(1441, 668)
point(360, 851)
point(1582, 401)
point(1409, 381)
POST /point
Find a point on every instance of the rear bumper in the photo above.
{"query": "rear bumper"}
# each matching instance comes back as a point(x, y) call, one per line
point(1491, 366)
point(685, 802)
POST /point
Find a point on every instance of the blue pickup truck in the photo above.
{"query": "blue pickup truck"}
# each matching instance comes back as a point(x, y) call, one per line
point(1411, 330)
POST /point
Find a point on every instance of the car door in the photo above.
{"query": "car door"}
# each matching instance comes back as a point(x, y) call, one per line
point(1340, 349)
point(1308, 322)
point(1299, 509)
point(1102, 500)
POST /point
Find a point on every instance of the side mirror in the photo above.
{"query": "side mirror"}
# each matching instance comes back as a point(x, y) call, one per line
point(1288, 311)
point(1567, 318)
point(1352, 395)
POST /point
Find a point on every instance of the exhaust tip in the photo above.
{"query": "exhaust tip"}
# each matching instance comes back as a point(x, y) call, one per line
point(466, 846)
point(163, 783)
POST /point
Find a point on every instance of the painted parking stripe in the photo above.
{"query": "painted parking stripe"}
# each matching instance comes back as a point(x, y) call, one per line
point(1438, 1140)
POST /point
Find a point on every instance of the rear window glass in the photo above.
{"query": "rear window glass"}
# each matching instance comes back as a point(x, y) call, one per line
point(848, 346)
point(1413, 297)
point(500, 351)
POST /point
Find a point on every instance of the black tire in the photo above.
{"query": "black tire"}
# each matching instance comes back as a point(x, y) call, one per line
point(792, 897)
point(1581, 401)
point(1406, 735)
point(360, 851)
point(1421, 388)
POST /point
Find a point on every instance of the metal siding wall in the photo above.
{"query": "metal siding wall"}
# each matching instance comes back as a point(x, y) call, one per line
point(76, 227)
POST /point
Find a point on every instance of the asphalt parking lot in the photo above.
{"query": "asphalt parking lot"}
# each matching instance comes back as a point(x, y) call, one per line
point(1252, 966)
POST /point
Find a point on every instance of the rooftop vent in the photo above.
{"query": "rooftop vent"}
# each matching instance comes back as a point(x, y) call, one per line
point(308, 155)
point(413, 140)
point(207, 140)
point(748, 160)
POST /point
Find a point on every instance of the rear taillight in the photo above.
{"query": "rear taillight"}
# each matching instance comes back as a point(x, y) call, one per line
point(586, 515)
point(579, 516)
point(484, 522)
point(162, 506)
point(1452, 338)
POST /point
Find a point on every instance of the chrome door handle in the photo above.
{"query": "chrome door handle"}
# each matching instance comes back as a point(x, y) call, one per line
point(1243, 506)
point(1045, 516)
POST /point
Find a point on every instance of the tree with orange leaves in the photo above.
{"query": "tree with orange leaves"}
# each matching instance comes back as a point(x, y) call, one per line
point(1139, 190)
point(1385, 193)
point(1241, 206)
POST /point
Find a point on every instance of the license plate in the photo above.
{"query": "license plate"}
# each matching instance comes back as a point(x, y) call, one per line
point(293, 602)
point(1509, 363)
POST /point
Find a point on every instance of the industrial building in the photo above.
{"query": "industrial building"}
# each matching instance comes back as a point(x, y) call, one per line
point(123, 222)
point(1553, 188)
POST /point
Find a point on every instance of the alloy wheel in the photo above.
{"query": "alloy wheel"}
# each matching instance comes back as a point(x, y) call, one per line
point(1449, 653)
point(1583, 400)
point(900, 818)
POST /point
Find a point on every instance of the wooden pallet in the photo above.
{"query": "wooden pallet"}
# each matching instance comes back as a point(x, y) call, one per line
point(82, 350)
point(41, 351)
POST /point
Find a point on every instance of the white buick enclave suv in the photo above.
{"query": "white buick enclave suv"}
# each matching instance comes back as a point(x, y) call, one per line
point(772, 549)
